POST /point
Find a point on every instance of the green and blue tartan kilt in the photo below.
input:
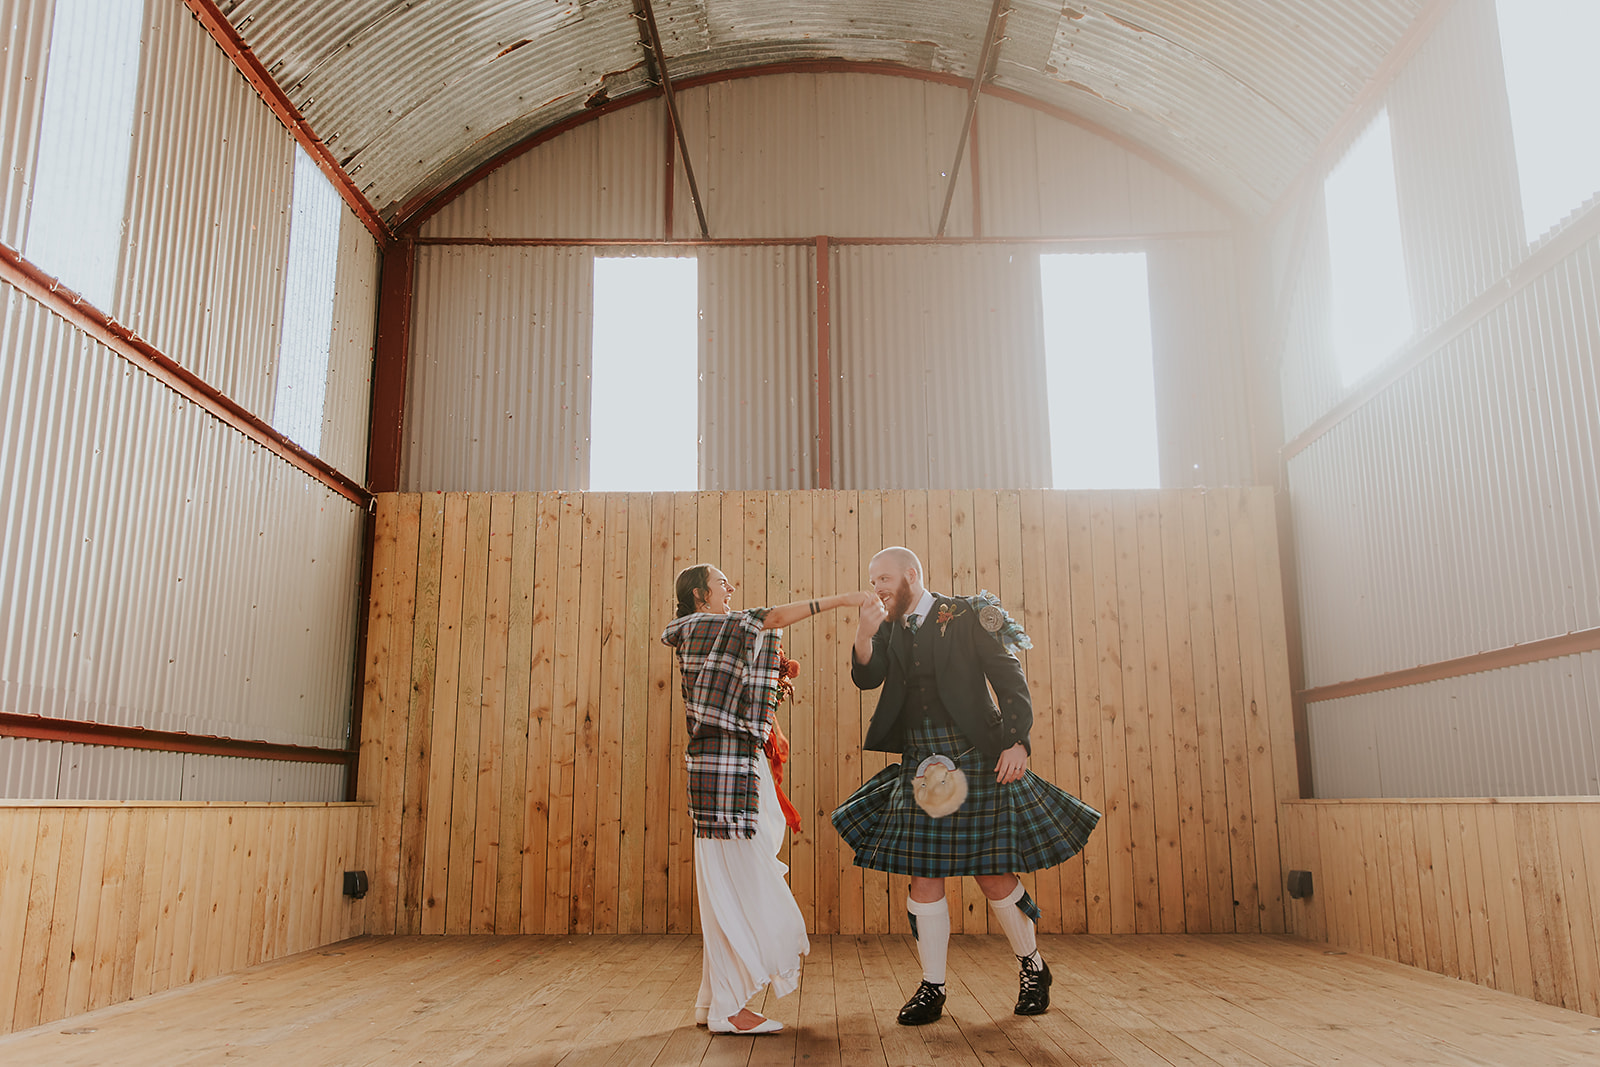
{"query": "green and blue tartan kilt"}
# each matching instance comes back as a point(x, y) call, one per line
point(1027, 825)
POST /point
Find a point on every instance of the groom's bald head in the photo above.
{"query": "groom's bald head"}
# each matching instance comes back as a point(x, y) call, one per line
point(896, 577)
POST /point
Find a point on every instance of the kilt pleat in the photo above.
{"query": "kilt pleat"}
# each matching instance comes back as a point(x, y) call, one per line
point(1027, 825)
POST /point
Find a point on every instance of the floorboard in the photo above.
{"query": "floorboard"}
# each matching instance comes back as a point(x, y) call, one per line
point(576, 1001)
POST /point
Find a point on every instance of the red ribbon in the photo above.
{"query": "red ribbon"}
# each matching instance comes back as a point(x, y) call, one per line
point(776, 762)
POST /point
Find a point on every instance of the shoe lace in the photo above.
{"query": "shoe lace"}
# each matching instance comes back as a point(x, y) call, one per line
point(927, 993)
point(1032, 977)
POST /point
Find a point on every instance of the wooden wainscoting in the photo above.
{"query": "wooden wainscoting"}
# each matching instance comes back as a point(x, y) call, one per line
point(523, 735)
point(1505, 893)
point(100, 903)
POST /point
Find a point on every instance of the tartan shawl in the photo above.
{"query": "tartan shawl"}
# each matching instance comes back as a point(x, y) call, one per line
point(729, 666)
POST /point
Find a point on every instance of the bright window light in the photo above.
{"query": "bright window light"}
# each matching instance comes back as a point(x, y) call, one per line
point(80, 182)
point(645, 388)
point(307, 305)
point(1371, 305)
point(1553, 83)
point(1098, 371)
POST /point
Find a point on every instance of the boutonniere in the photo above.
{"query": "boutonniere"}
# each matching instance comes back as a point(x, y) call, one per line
point(947, 612)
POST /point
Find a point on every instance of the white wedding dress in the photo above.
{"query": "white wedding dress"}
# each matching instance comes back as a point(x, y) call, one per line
point(752, 929)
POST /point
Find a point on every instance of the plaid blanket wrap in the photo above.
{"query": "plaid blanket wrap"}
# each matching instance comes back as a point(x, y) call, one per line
point(729, 666)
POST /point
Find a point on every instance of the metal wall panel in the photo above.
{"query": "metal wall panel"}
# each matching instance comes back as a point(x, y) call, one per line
point(758, 409)
point(850, 155)
point(159, 569)
point(497, 396)
point(208, 213)
point(53, 770)
point(25, 40)
point(228, 778)
point(1460, 210)
point(1528, 730)
point(603, 179)
point(99, 772)
point(1309, 381)
point(1201, 377)
point(1041, 176)
point(940, 359)
point(1459, 510)
point(30, 769)
point(845, 154)
point(347, 407)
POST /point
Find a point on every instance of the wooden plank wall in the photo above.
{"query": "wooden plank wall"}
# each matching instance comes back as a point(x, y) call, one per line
point(523, 732)
point(1504, 893)
point(100, 903)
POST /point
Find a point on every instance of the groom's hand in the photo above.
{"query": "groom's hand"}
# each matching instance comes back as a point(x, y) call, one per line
point(1012, 766)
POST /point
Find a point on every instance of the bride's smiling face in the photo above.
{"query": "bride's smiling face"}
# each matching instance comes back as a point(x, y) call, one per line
point(718, 597)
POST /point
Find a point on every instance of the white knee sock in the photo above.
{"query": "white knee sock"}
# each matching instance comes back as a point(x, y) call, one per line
point(1018, 927)
point(933, 936)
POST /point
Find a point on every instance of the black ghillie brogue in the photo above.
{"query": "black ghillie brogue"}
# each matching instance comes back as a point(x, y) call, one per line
point(1033, 991)
point(925, 1006)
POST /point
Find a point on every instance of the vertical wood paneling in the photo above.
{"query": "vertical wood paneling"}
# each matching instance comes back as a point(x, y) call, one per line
point(105, 903)
point(535, 624)
point(1496, 892)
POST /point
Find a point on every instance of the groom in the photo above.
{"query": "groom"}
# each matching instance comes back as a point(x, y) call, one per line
point(933, 655)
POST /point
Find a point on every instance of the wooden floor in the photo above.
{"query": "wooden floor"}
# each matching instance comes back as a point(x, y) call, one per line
point(1155, 999)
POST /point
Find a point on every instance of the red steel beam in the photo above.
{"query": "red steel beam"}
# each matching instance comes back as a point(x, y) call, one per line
point(389, 358)
point(78, 732)
point(228, 39)
point(29, 279)
point(824, 478)
point(1133, 240)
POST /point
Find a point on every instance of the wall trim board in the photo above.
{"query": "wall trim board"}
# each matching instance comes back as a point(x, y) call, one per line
point(1569, 644)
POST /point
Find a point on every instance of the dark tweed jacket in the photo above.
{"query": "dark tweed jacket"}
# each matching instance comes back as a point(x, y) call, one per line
point(964, 656)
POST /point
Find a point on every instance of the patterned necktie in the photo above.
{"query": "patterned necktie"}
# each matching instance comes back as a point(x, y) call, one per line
point(911, 623)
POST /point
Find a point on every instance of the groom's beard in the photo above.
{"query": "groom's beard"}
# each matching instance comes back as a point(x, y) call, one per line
point(900, 603)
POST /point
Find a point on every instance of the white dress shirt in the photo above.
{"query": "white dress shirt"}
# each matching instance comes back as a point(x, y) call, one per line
point(920, 611)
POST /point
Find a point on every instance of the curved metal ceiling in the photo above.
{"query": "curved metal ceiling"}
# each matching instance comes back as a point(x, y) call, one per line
point(411, 95)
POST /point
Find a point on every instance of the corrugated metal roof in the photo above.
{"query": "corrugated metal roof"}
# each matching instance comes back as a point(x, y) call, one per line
point(412, 96)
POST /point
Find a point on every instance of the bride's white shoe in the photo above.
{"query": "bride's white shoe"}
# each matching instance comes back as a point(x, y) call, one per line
point(701, 1015)
point(765, 1026)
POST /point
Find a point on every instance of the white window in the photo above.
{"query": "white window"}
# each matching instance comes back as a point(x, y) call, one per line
point(1553, 83)
point(307, 305)
point(80, 183)
point(644, 383)
point(1370, 302)
point(1099, 372)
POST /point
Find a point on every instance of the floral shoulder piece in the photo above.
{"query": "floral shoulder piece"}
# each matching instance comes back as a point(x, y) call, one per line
point(998, 622)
